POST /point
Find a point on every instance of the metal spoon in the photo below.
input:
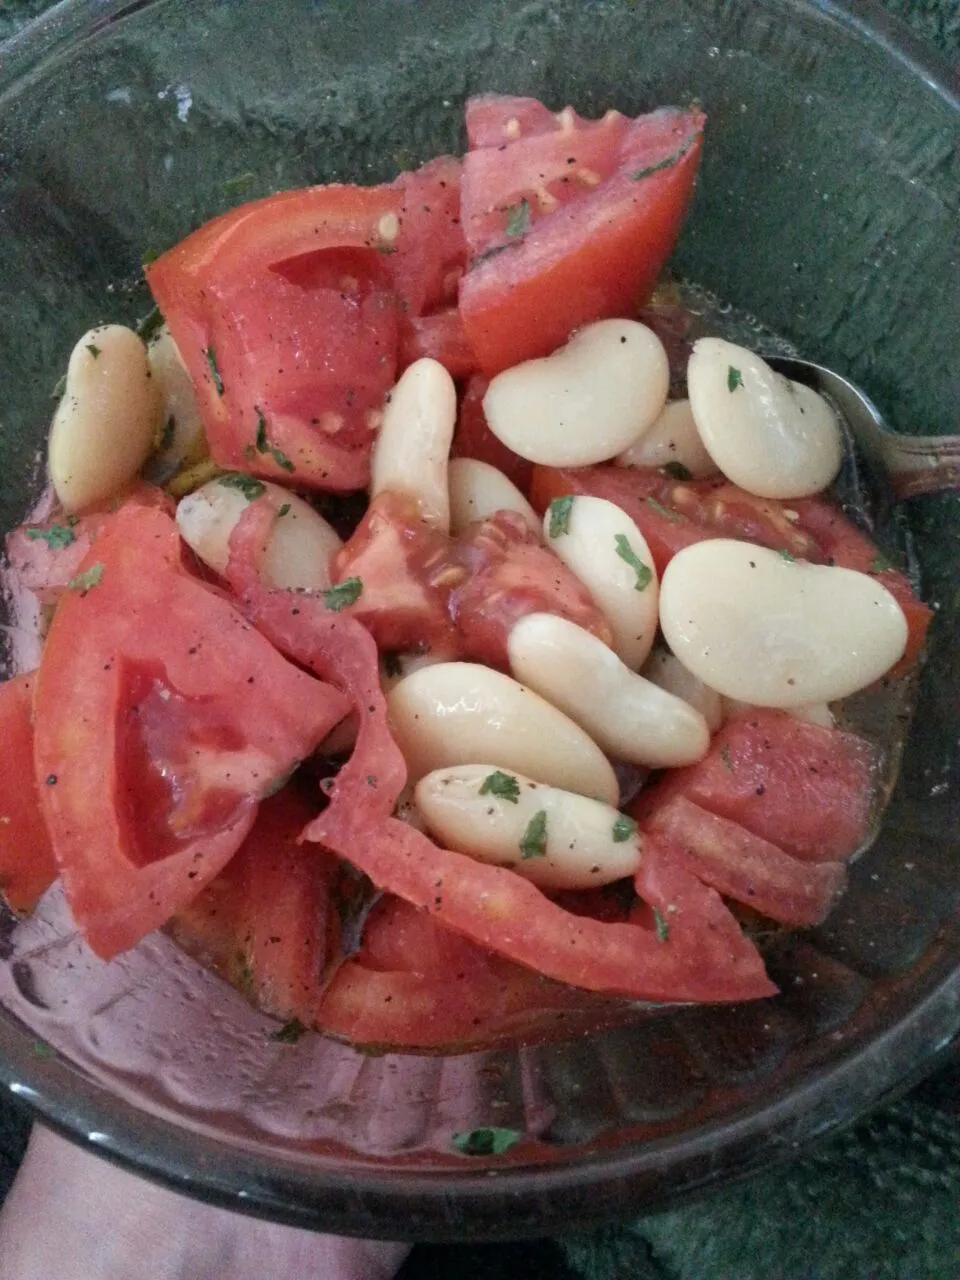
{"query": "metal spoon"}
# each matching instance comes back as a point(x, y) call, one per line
point(905, 465)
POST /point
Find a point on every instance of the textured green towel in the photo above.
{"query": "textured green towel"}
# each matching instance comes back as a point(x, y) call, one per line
point(880, 1201)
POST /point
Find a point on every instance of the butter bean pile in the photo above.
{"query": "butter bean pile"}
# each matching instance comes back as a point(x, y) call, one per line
point(495, 759)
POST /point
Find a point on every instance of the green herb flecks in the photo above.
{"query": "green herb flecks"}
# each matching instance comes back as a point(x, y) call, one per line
point(343, 594)
point(60, 388)
point(661, 926)
point(149, 325)
point(290, 1032)
point(42, 1050)
point(560, 509)
point(83, 582)
point(533, 843)
point(880, 564)
point(623, 829)
point(725, 757)
point(518, 219)
point(626, 553)
point(784, 554)
point(734, 378)
point(284, 510)
point(492, 1141)
point(264, 445)
point(248, 486)
point(676, 471)
point(673, 516)
point(667, 162)
point(164, 438)
point(93, 349)
point(211, 358)
point(238, 183)
point(502, 785)
point(56, 537)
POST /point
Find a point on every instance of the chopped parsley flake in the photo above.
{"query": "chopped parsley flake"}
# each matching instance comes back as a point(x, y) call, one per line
point(725, 757)
point(623, 829)
point(149, 325)
point(492, 1141)
point(250, 488)
point(880, 564)
point(667, 163)
point(643, 571)
point(673, 516)
point(786, 555)
point(284, 510)
point(290, 1032)
point(165, 436)
point(57, 536)
point(239, 182)
point(211, 358)
point(734, 378)
point(93, 349)
point(264, 445)
point(518, 219)
point(343, 594)
point(533, 843)
point(661, 926)
point(503, 785)
point(42, 1050)
point(84, 581)
point(560, 509)
point(676, 471)
point(60, 388)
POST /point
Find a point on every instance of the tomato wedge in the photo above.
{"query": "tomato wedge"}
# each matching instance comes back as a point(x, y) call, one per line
point(162, 718)
point(585, 241)
point(807, 789)
point(27, 865)
point(267, 922)
point(474, 439)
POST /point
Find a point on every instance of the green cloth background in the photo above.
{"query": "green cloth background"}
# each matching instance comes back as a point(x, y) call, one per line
point(879, 1202)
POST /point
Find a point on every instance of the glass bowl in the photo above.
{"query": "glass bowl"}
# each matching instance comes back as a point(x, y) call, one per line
point(827, 208)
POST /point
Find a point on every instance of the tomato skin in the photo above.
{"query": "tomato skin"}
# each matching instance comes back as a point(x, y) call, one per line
point(474, 439)
point(740, 865)
point(152, 689)
point(27, 865)
point(527, 299)
point(807, 789)
point(508, 574)
point(267, 922)
point(493, 119)
point(431, 253)
point(404, 566)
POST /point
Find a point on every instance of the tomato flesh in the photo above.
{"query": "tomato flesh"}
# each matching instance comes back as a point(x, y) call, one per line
point(153, 688)
point(27, 865)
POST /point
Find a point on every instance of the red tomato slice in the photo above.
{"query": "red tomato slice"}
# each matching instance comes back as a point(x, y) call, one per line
point(596, 255)
point(745, 867)
point(416, 984)
point(440, 336)
point(267, 922)
point(493, 119)
point(27, 865)
point(405, 568)
point(474, 439)
point(508, 574)
point(162, 718)
point(432, 252)
point(808, 789)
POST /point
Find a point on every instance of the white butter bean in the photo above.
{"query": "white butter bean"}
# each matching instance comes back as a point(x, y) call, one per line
point(585, 403)
point(455, 712)
point(182, 437)
point(665, 670)
point(773, 437)
point(411, 452)
point(627, 716)
point(477, 490)
point(556, 838)
point(777, 633)
point(673, 438)
point(599, 542)
point(104, 426)
point(301, 543)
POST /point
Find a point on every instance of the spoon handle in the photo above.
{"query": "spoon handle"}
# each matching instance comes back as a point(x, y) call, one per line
point(922, 464)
